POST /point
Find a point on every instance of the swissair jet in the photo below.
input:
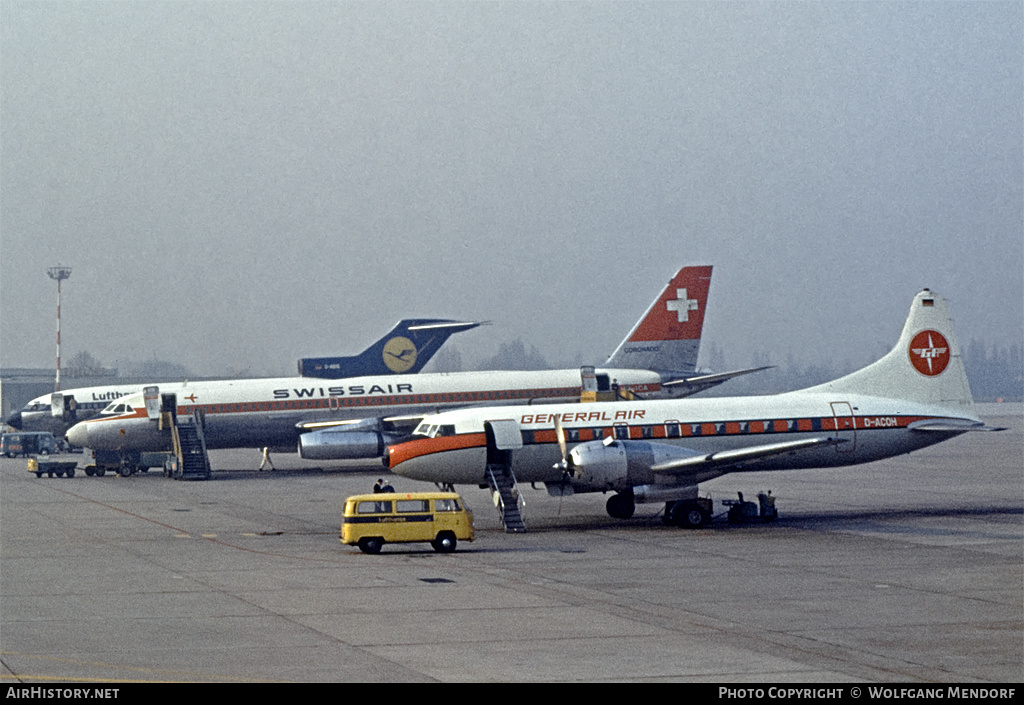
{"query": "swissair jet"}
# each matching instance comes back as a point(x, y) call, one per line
point(405, 349)
point(658, 451)
point(357, 417)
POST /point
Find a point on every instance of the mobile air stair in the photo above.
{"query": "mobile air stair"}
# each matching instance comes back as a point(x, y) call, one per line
point(506, 496)
point(191, 461)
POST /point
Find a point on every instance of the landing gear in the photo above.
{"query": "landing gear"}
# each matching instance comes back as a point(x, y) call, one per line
point(688, 513)
point(621, 505)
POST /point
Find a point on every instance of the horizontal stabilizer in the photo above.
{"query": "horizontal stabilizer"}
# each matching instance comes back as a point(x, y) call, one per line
point(736, 456)
point(449, 326)
point(952, 426)
point(698, 383)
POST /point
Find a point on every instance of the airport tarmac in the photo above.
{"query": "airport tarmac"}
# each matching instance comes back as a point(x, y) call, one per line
point(906, 570)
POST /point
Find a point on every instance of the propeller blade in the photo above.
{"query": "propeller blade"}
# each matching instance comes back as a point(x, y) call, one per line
point(560, 433)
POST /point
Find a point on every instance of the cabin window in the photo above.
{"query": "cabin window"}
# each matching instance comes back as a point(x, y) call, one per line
point(374, 507)
point(412, 505)
point(446, 505)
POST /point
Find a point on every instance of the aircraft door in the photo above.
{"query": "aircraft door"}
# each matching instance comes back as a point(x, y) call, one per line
point(151, 396)
point(503, 437)
point(846, 426)
point(64, 407)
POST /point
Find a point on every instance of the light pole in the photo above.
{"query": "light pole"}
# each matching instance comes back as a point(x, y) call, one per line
point(60, 274)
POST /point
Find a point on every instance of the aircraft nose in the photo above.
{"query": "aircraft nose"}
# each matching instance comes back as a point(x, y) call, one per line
point(14, 420)
point(78, 435)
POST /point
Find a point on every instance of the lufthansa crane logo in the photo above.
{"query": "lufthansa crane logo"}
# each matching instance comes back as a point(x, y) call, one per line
point(929, 353)
point(399, 354)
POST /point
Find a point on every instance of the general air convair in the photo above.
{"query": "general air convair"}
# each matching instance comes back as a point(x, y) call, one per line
point(659, 450)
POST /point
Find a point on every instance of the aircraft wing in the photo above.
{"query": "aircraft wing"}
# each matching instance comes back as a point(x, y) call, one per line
point(698, 383)
point(410, 422)
point(736, 456)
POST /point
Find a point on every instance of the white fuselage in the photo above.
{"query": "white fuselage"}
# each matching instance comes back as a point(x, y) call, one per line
point(871, 428)
point(259, 413)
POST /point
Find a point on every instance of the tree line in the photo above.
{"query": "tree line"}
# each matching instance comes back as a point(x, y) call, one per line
point(995, 372)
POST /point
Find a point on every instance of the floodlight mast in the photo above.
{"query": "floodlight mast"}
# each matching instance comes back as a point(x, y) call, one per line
point(60, 274)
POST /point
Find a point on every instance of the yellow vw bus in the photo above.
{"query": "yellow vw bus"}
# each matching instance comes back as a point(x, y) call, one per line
point(371, 520)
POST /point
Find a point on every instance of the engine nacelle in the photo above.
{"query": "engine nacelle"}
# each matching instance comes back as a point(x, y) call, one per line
point(596, 466)
point(620, 464)
point(342, 444)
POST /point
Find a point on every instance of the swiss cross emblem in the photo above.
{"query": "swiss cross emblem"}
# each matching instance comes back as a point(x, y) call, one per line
point(929, 352)
point(682, 305)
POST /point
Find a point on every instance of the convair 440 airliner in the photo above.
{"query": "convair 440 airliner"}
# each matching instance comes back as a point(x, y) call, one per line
point(658, 451)
point(357, 417)
point(405, 349)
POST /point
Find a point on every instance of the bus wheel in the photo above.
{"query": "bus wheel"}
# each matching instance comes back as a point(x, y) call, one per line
point(445, 542)
point(371, 544)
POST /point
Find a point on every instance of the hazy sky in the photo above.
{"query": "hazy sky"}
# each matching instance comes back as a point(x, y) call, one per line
point(239, 184)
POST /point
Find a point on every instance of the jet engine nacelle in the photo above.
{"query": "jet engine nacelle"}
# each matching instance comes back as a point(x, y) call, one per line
point(618, 465)
point(341, 444)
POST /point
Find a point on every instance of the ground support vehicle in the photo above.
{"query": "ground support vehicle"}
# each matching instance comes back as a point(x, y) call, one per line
point(55, 465)
point(28, 443)
point(743, 512)
point(125, 465)
point(371, 520)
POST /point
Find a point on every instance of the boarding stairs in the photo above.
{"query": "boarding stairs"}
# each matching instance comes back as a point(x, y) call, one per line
point(193, 462)
point(506, 496)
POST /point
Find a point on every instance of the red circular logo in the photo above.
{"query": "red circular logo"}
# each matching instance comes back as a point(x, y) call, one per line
point(929, 352)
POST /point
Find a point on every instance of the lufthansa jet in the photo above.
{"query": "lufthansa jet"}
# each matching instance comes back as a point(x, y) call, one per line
point(403, 350)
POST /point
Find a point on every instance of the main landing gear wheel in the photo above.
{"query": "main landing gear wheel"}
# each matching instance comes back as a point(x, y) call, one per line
point(621, 506)
point(687, 514)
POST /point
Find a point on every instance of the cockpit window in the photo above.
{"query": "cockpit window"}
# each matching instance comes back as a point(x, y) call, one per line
point(434, 430)
point(116, 408)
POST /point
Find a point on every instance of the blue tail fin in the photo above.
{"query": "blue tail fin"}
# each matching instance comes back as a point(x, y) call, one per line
point(404, 350)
